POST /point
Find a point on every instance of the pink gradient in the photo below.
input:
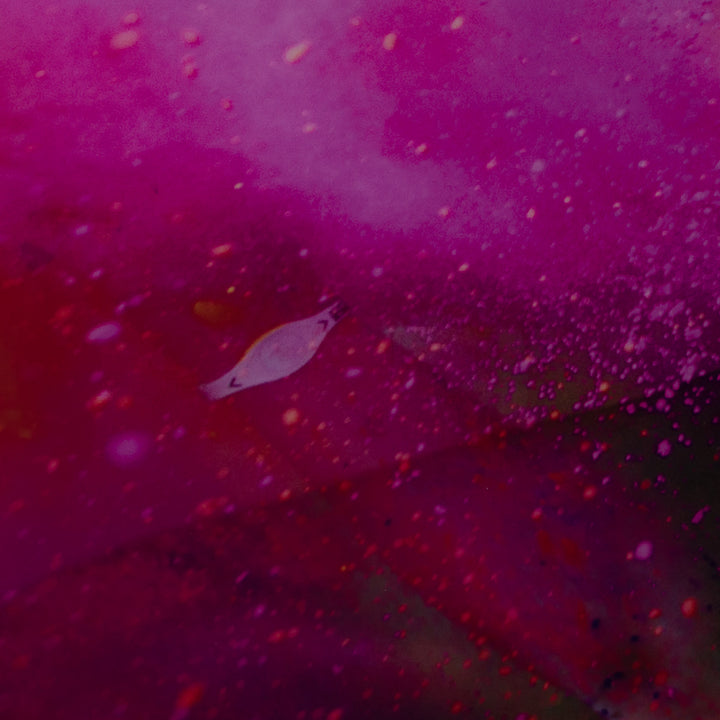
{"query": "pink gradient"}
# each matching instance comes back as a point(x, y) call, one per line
point(490, 491)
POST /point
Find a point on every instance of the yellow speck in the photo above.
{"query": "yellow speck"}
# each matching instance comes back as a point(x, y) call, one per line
point(493, 163)
point(291, 416)
point(464, 267)
point(604, 386)
point(231, 290)
point(389, 41)
point(567, 199)
point(123, 40)
point(435, 347)
point(444, 211)
point(629, 346)
point(530, 214)
point(457, 23)
point(191, 37)
point(220, 250)
point(382, 347)
point(285, 494)
point(189, 68)
point(238, 186)
point(132, 18)
point(100, 400)
point(40, 74)
point(421, 148)
point(296, 52)
point(309, 127)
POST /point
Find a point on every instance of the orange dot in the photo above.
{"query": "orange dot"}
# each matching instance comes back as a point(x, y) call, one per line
point(296, 52)
point(291, 416)
point(221, 249)
point(189, 69)
point(123, 40)
point(389, 41)
point(191, 37)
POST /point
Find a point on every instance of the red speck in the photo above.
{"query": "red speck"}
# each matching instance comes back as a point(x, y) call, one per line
point(21, 662)
point(654, 614)
point(572, 553)
point(190, 696)
point(689, 607)
point(661, 678)
point(545, 543)
point(457, 707)
point(505, 670)
point(335, 714)
point(276, 636)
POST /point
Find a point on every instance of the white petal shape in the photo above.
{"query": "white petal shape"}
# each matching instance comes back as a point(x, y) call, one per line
point(278, 353)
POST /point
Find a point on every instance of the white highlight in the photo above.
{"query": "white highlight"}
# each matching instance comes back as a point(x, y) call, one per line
point(103, 333)
point(277, 354)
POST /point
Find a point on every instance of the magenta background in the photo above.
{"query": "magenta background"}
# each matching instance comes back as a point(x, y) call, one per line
point(557, 238)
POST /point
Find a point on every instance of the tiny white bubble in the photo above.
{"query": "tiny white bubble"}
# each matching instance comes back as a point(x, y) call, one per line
point(103, 333)
point(128, 448)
